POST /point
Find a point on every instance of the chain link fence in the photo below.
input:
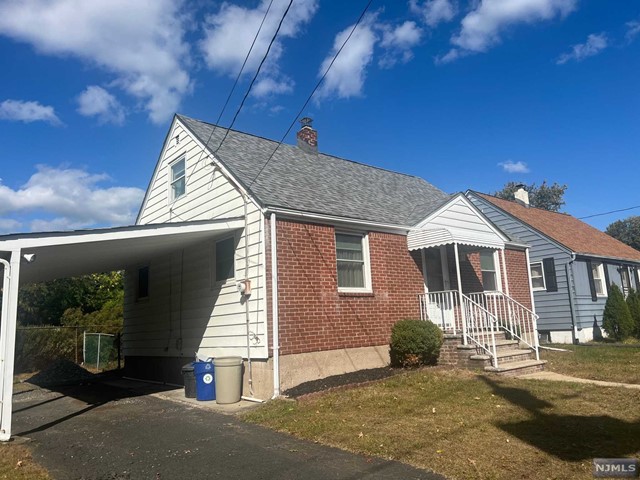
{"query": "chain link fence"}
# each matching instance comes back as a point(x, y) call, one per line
point(97, 348)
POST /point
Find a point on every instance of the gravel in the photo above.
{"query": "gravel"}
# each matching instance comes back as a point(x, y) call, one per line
point(61, 372)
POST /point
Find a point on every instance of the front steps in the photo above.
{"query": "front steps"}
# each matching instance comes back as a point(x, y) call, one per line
point(512, 359)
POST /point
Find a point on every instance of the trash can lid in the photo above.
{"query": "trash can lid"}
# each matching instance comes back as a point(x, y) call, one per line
point(227, 361)
point(187, 368)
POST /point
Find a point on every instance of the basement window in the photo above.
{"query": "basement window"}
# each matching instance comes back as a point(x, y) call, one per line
point(352, 259)
point(178, 181)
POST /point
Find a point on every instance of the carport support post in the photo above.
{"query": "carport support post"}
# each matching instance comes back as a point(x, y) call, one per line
point(8, 344)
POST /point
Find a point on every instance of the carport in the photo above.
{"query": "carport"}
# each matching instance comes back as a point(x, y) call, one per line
point(36, 257)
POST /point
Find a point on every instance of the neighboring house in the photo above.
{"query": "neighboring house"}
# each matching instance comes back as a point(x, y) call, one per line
point(572, 265)
point(337, 253)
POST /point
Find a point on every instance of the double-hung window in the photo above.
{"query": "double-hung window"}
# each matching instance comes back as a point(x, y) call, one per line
point(597, 269)
point(178, 181)
point(488, 268)
point(537, 276)
point(352, 257)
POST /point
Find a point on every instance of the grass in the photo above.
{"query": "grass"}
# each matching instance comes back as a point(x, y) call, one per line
point(601, 362)
point(16, 463)
point(465, 425)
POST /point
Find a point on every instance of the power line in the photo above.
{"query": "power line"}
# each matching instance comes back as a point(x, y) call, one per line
point(235, 83)
point(273, 39)
point(366, 8)
point(607, 213)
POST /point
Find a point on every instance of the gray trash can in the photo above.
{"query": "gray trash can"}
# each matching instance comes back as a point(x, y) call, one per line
point(228, 374)
point(189, 381)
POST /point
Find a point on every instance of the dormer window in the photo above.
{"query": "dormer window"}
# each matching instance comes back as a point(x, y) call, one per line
point(178, 181)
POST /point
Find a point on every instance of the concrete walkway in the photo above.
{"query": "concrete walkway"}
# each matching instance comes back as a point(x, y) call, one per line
point(100, 432)
point(558, 377)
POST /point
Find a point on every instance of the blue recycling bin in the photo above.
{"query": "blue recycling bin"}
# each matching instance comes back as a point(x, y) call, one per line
point(205, 382)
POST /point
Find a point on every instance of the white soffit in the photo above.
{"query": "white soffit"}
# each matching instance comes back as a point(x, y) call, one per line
point(66, 254)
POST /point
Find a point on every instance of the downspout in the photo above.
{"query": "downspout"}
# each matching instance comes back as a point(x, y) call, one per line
point(3, 326)
point(244, 292)
point(568, 268)
point(274, 308)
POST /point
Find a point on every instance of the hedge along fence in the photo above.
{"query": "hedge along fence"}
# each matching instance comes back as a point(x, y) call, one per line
point(38, 347)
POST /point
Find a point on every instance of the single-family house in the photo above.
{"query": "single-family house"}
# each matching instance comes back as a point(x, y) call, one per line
point(297, 261)
point(572, 265)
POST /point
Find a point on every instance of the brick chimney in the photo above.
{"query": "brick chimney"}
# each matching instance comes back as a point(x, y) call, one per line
point(307, 136)
point(522, 196)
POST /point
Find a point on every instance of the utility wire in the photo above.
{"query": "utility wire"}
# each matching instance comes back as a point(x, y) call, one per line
point(246, 95)
point(235, 83)
point(366, 8)
point(607, 213)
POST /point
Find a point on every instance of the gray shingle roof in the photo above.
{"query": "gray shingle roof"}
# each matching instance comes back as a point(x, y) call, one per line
point(319, 183)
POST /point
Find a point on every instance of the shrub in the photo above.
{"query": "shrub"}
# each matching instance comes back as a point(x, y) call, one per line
point(633, 302)
point(414, 342)
point(616, 319)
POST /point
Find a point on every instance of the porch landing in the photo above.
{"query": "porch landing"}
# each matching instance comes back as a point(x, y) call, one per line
point(513, 359)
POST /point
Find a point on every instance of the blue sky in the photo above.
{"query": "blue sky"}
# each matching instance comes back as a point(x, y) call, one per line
point(466, 94)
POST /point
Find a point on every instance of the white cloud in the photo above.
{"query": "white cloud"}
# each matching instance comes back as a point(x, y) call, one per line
point(633, 29)
point(514, 167)
point(74, 197)
point(21, 111)
point(140, 43)
point(9, 225)
point(482, 27)
point(594, 45)
point(230, 33)
point(435, 12)
point(347, 75)
point(398, 43)
point(96, 102)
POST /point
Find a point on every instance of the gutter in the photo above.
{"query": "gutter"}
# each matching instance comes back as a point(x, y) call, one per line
point(568, 268)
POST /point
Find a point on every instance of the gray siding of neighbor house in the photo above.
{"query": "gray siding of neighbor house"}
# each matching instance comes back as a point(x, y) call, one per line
point(553, 307)
point(587, 311)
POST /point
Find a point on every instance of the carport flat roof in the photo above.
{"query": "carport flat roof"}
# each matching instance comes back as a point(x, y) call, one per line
point(66, 254)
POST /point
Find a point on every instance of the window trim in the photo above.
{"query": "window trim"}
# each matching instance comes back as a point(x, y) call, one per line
point(215, 283)
point(496, 269)
point(181, 158)
point(366, 268)
point(544, 281)
point(599, 267)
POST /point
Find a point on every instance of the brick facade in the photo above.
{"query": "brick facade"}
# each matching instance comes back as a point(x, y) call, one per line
point(314, 316)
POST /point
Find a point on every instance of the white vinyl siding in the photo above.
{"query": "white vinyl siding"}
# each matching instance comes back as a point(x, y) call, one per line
point(352, 258)
point(183, 314)
point(537, 276)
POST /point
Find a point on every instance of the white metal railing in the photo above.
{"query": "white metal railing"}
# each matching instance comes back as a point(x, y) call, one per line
point(518, 321)
point(448, 308)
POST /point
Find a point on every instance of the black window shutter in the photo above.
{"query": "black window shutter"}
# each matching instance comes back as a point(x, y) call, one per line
point(635, 273)
point(550, 279)
point(607, 282)
point(592, 283)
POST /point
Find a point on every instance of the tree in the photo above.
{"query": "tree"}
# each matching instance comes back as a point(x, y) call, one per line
point(627, 231)
point(548, 197)
point(616, 319)
point(633, 302)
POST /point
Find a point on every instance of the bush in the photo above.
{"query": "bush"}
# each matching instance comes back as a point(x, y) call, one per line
point(616, 319)
point(414, 342)
point(633, 302)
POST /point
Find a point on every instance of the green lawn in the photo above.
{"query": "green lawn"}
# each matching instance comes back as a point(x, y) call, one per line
point(599, 362)
point(465, 425)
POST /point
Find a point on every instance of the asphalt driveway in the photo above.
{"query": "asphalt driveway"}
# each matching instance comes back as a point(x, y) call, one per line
point(105, 432)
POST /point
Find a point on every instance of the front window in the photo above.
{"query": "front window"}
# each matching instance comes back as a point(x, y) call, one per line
point(597, 270)
point(351, 257)
point(537, 276)
point(178, 184)
point(488, 267)
point(143, 283)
